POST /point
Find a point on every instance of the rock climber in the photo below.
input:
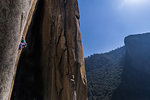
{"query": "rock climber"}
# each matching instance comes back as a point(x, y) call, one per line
point(72, 78)
point(23, 44)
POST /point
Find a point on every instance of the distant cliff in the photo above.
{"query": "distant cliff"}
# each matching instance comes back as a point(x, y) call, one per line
point(135, 77)
point(52, 66)
point(123, 75)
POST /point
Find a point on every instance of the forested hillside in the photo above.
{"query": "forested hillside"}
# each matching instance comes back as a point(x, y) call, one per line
point(122, 74)
point(104, 73)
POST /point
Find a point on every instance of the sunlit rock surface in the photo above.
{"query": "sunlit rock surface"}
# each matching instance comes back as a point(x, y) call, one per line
point(62, 53)
point(52, 66)
point(13, 17)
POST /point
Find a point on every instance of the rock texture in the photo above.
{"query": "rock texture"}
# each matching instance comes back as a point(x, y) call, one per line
point(52, 66)
point(13, 19)
point(62, 53)
point(28, 82)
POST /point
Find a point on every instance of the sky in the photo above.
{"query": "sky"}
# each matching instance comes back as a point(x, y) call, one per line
point(105, 23)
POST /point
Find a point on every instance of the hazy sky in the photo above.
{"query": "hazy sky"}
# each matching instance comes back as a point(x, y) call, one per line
point(105, 23)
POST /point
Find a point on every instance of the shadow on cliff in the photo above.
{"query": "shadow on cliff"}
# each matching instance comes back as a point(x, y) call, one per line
point(28, 82)
point(122, 74)
point(135, 77)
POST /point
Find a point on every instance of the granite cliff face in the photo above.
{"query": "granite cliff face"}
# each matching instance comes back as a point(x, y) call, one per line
point(135, 77)
point(52, 66)
point(122, 74)
point(13, 22)
point(62, 52)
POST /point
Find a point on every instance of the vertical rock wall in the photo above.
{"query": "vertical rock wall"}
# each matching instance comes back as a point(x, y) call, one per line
point(28, 80)
point(13, 18)
point(135, 77)
point(61, 56)
point(62, 53)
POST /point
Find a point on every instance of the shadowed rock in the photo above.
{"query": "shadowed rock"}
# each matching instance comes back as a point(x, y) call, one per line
point(122, 74)
point(13, 19)
point(54, 56)
point(135, 78)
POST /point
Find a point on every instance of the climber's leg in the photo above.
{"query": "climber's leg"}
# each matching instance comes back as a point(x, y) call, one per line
point(20, 46)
